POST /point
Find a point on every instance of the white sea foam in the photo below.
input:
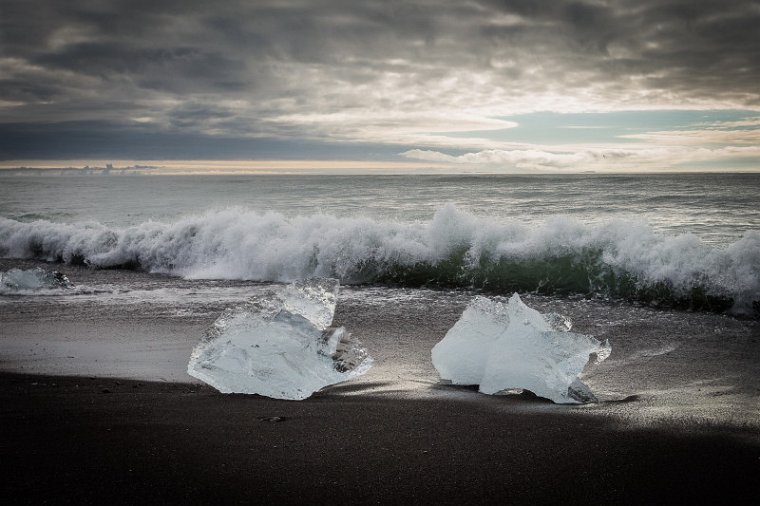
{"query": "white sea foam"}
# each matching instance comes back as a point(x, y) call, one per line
point(455, 246)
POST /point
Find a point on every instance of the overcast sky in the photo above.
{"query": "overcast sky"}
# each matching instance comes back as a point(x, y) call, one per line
point(512, 85)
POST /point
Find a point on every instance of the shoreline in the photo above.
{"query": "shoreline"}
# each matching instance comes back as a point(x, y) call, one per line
point(678, 421)
point(91, 440)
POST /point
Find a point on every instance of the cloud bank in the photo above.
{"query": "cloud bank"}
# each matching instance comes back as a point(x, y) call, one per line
point(299, 78)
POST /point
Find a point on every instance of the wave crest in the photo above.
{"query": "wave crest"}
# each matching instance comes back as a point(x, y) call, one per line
point(456, 248)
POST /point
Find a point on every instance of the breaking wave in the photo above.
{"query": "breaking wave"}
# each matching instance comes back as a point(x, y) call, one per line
point(455, 249)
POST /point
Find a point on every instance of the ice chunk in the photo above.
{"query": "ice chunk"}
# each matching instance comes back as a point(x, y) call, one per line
point(502, 346)
point(280, 345)
point(33, 279)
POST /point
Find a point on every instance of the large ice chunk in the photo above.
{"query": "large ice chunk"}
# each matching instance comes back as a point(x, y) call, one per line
point(33, 279)
point(502, 346)
point(280, 345)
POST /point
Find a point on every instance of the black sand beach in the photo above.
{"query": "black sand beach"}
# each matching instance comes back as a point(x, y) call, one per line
point(104, 441)
point(678, 421)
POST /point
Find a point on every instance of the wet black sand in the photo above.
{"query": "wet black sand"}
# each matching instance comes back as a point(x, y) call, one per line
point(104, 441)
point(394, 436)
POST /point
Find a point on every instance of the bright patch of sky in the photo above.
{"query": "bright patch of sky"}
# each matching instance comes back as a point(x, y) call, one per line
point(609, 127)
point(654, 140)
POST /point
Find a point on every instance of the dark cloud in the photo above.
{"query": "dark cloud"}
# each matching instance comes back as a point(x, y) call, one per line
point(705, 48)
point(276, 69)
point(103, 140)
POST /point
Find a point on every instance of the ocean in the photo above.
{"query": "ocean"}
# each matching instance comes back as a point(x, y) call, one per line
point(667, 267)
point(717, 208)
point(683, 240)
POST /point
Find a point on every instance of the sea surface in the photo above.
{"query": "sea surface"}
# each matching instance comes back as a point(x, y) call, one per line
point(718, 208)
point(667, 267)
point(684, 240)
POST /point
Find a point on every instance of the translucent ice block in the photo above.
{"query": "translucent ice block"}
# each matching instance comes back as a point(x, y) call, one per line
point(33, 279)
point(502, 346)
point(280, 345)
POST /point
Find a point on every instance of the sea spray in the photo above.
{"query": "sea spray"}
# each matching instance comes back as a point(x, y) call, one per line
point(456, 249)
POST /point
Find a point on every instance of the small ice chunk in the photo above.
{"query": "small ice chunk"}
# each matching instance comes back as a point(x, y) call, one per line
point(280, 345)
point(33, 279)
point(502, 346)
